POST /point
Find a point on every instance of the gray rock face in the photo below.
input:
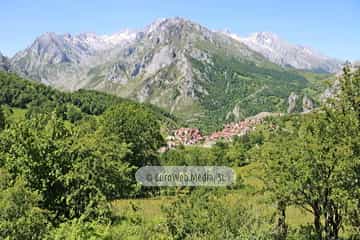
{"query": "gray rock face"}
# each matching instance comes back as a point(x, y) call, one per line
point(307, 104)
point(117, 74)
point(53, 49)
point(61, 60)
point(283, 53)
point(292, 102)
point(4, 63)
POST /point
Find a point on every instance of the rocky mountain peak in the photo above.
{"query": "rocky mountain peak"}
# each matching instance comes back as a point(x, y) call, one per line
point(46, 40)
point(164, 23)
point(265, 37)
point(174, 27)
point(118, 38)
point(52, 48)
point(281, 52)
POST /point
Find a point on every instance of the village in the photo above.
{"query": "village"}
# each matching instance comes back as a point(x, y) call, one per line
point(192, 136)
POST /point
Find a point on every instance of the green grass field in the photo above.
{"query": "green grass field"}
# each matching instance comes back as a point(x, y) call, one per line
point(251, 194)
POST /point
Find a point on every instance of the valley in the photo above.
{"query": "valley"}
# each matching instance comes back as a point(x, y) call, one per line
point(83, 115)
point(182, 67)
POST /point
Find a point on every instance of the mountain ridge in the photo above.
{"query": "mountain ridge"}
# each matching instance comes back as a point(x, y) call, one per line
point(200, 75)
point(256, 41)
point(281, 52)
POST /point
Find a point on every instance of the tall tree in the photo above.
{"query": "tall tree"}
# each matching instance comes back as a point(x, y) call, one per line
point(139, 128)
point(317, 165)
point(74, 173)
point(345, 111)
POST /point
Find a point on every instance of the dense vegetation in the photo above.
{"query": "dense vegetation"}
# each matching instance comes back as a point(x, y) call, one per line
point(62, 171)
point(237, 88)
point(65, 178)
point(320, 171)
point(38, 98)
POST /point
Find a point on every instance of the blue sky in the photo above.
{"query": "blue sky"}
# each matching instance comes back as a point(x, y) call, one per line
point(330, 26)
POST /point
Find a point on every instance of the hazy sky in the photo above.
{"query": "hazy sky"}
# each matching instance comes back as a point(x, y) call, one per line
point(330, 26)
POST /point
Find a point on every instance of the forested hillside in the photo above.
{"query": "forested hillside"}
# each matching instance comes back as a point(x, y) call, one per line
point(17, 92)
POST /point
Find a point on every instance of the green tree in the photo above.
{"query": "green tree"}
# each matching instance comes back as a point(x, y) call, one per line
point(139, 128)
point(20, 216)
point(101, 163)
point(73, 114)
point(205, 214)
point(345, 112)
point(315, 165)
point(190, 156)
point(74, 174)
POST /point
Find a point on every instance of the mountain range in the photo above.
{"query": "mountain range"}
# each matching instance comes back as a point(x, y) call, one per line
point(283, 53)
point(203, 76)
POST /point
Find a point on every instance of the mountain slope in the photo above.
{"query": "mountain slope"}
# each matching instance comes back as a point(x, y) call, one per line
point(202, 76)
point(19, 93)
point(62, 60)
point(4, 63)
point(283, 53)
